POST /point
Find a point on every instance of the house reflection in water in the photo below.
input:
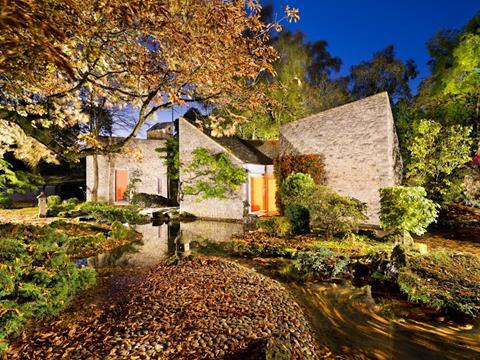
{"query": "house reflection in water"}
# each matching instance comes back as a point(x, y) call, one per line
point(161, 241)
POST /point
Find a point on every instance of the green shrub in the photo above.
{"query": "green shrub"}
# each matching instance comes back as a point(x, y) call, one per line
point(295, 187)
point(149, 200)
point(334, 213)
point(275, 226)
point(37, 278)
point(406, 209)
point(283, 226)
point(321, 262)
point(77, 246)
point(57, 207)
point(267, 225)
point(105, 213)
point(443, 279)
point(53, 200)
point(299, 217)
point(119, 231)
point(6, 202)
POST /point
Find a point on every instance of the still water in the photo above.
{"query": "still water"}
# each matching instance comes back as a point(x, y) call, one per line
point(351, 321)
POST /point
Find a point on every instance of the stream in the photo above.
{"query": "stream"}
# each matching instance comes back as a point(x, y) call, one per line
point(357, 322)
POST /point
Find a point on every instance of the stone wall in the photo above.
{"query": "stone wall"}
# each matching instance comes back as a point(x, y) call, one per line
point(233, 207)
point(358, 144)
point(153, 172)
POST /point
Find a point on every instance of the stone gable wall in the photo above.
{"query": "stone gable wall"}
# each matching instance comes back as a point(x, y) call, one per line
point(358, 144)
point(233, 207)
point(150, 165)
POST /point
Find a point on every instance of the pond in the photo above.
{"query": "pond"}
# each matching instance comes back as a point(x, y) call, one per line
point(355, 321)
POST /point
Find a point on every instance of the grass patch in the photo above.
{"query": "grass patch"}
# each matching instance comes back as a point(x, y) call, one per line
point(356, 246)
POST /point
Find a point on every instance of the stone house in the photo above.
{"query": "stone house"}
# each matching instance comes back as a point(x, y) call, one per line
point(115, 171)
point(356, 141)
point(358, 144)
point(256, 196)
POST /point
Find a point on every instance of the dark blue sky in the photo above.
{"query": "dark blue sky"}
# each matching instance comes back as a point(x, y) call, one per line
point(355, 29)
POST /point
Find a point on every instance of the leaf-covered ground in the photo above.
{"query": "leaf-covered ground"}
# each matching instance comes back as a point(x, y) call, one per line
point(205, 308)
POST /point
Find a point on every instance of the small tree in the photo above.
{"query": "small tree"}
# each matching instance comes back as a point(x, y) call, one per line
point(212, 175)
point(171, 159)
point(334, 213)
point(131, 190)
point(299, 217)
point(438, 155)
point(406, 209)
point(15, 182)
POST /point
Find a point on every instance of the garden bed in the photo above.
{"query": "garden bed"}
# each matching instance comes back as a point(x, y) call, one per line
point(442, 279)
point(38, 274)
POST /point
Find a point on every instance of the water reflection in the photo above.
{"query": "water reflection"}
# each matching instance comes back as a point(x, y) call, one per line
point(350, 321)
point(161, 240)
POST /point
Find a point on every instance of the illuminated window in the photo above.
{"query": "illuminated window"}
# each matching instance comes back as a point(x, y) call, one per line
point(121, 182)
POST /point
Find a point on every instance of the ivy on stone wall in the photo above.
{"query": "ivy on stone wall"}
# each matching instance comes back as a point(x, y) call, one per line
point(212, 175)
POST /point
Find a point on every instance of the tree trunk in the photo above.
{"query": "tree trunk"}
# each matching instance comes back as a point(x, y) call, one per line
point(94, 189)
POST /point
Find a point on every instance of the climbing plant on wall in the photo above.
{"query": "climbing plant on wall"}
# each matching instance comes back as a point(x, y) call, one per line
point(212, 175)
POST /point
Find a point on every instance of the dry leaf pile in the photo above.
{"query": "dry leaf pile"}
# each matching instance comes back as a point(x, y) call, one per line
point(205, 308)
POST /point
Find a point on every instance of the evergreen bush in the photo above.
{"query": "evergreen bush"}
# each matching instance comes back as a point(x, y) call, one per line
point(299, 217)
point(334, 213)
point(275, 226)
point(296, 187)
point(321, 262)
point(37, 278)
point(6, 202)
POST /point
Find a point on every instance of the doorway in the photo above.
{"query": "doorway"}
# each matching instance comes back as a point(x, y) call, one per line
point(121, 183)
point(263, 189)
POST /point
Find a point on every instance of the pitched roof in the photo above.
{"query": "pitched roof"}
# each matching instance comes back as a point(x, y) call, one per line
point(352, 122)
point(160, 126)
point(243, 150)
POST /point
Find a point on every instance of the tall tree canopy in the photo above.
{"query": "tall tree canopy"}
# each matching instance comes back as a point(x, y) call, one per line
point(384, 72)
point(451, 94)
point(303, 85)
point(142, 53)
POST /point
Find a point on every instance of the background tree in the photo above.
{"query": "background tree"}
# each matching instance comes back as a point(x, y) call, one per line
point(438, 155)
point(384, 72)
point(303, 86)
point(450, 94)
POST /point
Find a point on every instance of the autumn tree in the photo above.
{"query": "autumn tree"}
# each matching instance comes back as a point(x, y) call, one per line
point(146, 54)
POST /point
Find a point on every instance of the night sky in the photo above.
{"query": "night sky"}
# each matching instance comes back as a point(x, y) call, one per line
point(355, 29)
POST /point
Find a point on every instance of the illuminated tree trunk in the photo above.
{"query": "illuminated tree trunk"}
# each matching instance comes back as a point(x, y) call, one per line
point(94, 189)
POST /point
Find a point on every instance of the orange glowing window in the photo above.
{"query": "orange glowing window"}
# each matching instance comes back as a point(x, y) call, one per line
point(271, 195)
point(263, 190)
point(121, 181)
point(257, 193)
